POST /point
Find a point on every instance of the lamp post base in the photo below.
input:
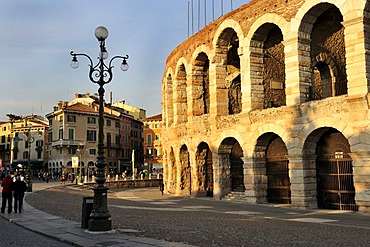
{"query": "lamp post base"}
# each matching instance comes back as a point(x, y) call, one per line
point(100, 218)
point(100, 225)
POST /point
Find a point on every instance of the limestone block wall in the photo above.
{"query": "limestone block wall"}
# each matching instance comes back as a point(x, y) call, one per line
point(300, 81)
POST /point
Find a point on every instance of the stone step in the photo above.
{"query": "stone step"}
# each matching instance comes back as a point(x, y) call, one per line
point(235, 197)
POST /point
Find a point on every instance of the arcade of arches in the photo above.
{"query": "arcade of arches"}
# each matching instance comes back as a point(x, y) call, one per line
point(271, 103)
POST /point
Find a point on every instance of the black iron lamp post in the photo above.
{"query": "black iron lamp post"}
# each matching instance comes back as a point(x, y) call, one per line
point(100, 74)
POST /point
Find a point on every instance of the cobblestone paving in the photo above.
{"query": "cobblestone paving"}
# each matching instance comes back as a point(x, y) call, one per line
point(203, 222)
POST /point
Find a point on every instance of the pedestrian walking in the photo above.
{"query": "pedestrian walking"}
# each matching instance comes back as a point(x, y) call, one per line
point(19, 187)
point(63, 179)
point(47, 177)
point(161, 187)
point(7, 185)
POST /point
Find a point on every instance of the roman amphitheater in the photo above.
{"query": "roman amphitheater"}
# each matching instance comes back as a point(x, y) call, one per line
point(270, 104)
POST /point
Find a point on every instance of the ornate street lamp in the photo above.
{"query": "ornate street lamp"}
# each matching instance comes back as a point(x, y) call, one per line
point(30, 140)
point(100, 74)
point(80, 151)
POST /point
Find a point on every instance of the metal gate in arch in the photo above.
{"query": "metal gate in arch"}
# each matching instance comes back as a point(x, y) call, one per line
point(277, 171)
point(335, 188)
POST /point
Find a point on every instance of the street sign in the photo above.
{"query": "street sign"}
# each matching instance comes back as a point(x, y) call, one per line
point(75, 162)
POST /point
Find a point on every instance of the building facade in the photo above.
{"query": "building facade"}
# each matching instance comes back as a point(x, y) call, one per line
point(73, 133)
point(153, 143)
point(271, 101)
point(23, 142)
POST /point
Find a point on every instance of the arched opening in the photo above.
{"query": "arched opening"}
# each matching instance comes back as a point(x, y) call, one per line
point(91, 169)
point(185, 177)
point(322, 33)
point(204, 170)
point(201, 96)
point(228, 82)
point(268, 67)
point(236, 168)
point(271, 169)
point(277, 171)
point(180, 98)
point(235, 96)
point(69, 166)
point(231, 152)
point(233, 76)
point(323, 81)
point(335, 187)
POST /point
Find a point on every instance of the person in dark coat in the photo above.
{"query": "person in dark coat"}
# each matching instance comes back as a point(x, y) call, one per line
point(161, 187)
point(7, 185)
point(19, 188)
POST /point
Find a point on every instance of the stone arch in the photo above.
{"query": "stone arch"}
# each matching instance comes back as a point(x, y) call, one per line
point(321, 35)
point(268, 128)
point(227, 63)
point(229, 23)
point(180, 101)
point(267, 67)
point(231, 166)
point(230, 134)
point(322, 123)
point(200, 84)
point(185, 171)
point(327, 152)
point(69, 166)
point(204, 170)
point(267, 18)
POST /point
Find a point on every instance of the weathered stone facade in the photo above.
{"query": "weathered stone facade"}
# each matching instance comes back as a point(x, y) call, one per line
point(272, 100)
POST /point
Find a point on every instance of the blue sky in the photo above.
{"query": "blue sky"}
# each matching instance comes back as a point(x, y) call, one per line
point(37, 36)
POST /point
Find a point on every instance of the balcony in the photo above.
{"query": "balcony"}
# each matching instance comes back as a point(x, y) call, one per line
point(67, 143)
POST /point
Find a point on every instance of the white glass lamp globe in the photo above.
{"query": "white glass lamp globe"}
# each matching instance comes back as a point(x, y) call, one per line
point(74, 63)
point(124, 66)
point(101, 33)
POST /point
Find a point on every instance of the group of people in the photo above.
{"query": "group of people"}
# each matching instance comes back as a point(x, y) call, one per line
point(13, 187)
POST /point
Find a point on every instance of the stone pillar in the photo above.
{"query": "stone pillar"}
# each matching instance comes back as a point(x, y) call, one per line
point(245, 79)
point(249, 179)
point(178, 168)
point(168, 104)
point(166, 173)
point(218, 91)
point(356, 58)
point(194, 94)
point(302, 174)
point(194, 176)
point(216, 177)
point(260, 180)
point(361, 179)
point(298, 78)
point(221, 172)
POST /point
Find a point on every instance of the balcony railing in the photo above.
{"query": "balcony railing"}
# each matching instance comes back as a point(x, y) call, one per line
point(67, 143)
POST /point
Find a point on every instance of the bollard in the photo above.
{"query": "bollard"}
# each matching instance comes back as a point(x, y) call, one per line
point(87, 207)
